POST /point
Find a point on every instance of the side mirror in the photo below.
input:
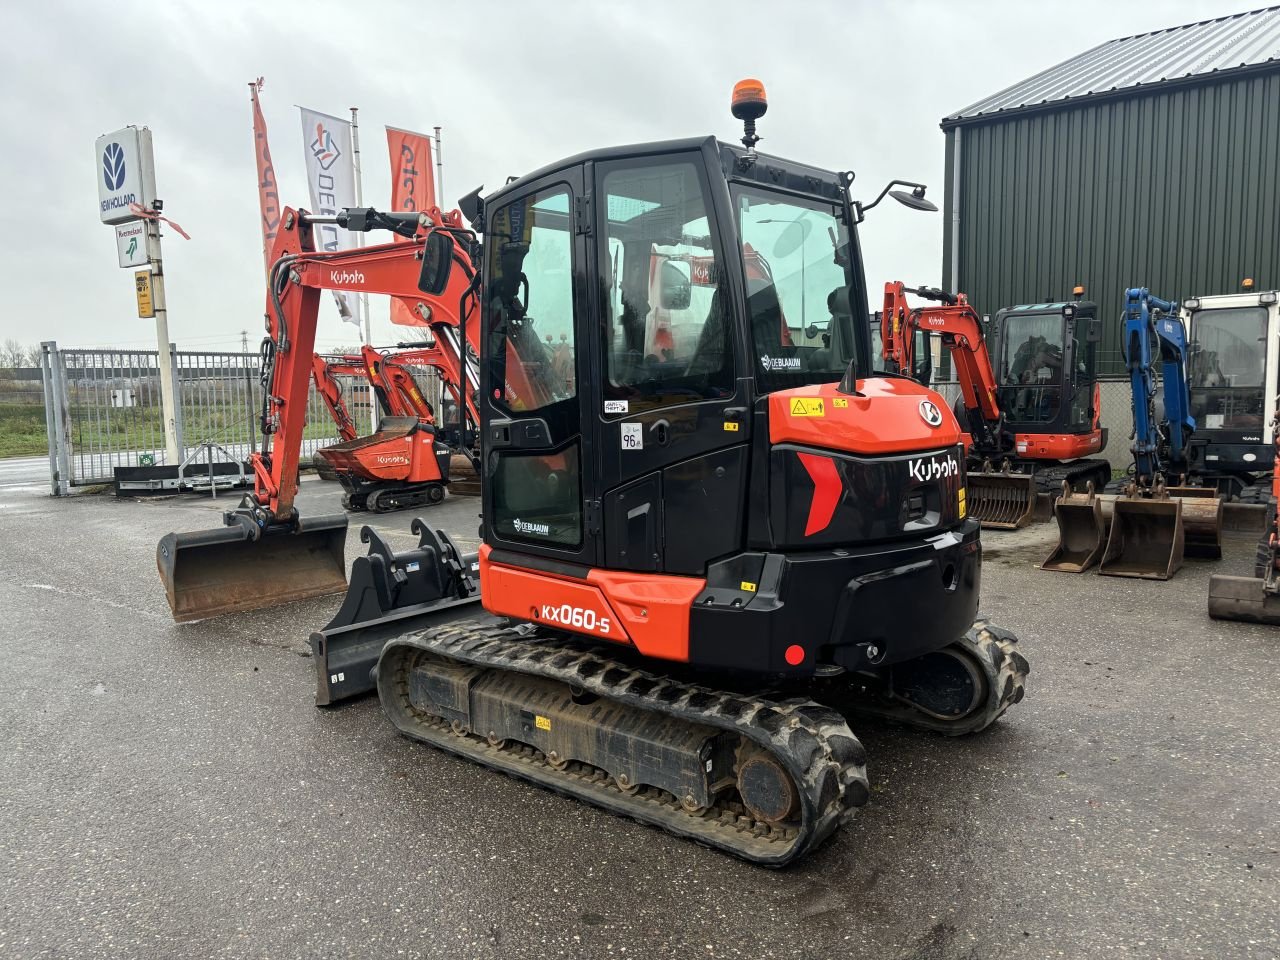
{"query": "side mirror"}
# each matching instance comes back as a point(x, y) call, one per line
point(675, 290)
point(437, 263)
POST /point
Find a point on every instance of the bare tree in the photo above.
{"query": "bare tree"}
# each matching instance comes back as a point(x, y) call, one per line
point(12, 354)
point(35, 356)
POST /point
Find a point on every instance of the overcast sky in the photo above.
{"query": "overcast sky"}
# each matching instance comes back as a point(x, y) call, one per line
point(853, 85)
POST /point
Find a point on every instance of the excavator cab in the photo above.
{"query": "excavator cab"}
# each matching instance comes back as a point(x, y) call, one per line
point(1046, 372)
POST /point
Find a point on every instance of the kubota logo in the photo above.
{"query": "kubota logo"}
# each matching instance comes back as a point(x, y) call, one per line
point(930, 413)
point(324, 148)
point(346, 276)
point(113, 168)
point(393, 458)
point(932, 468)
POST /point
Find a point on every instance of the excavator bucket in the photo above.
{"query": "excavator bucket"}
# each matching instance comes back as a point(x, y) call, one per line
point(1000, 499)
point(1146, 539)
point(391, 594)
point(1082, 532)
point(238, 567)
point(1202, 526)
point(1243, 598)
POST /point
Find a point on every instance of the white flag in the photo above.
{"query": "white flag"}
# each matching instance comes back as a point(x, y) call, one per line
point(331, 176)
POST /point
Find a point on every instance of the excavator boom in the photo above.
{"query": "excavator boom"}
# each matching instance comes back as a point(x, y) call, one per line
point(264, 554)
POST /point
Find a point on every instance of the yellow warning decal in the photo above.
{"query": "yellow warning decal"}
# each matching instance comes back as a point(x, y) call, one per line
point(542, 723)
point(840, 403)
point(960, 503)
point(808, 407)
point(730, 426)
point(747, 586)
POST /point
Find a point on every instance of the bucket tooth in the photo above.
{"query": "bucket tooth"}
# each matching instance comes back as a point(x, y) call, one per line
point(1146, 539)
point(238, 567)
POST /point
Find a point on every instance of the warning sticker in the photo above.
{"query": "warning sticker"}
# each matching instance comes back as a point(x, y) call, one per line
point(808, 407)
point(542, 723)
point(840, 403)
point(730, 426)
point(617, 406)
point(962, 507)
point(746, 586)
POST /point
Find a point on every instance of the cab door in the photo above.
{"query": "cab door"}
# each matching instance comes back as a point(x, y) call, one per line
point(539, 480)
point(670, 415)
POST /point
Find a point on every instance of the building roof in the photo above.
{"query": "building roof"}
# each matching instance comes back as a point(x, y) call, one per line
point(1236, 42)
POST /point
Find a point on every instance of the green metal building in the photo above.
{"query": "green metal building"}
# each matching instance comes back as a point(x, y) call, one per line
point(1152, 160)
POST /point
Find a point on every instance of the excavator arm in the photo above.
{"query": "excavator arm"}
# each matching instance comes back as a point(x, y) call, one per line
point(266, 554)
point(1152, 329)
point(961, 330)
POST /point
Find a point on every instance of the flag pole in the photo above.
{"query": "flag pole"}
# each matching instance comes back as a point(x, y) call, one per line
point(362, 300)
point(439, 174)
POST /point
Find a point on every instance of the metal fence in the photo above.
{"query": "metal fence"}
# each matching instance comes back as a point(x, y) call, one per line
point(103, 408)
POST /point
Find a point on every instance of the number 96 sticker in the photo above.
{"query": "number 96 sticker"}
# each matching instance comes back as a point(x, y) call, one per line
point(633, 436)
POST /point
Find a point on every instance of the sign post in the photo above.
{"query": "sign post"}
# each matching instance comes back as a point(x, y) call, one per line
point(127, 176)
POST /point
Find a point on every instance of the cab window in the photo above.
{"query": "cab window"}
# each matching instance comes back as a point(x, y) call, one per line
point(666, 332)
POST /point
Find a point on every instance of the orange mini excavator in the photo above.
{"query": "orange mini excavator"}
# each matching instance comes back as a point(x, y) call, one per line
point(703, 555)
point(1034, 413)
point(392, 468)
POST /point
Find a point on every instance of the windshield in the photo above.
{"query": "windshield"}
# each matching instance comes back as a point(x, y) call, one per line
point(799, 277)
point(1227, 367)
point(1031, 367)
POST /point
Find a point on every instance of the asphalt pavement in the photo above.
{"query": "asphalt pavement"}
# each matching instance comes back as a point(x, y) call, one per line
point(170, 791)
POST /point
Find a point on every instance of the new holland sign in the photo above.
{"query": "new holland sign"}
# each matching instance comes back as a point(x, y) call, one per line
point(126, 173)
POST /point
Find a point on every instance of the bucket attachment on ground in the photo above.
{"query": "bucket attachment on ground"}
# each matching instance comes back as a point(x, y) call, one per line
point(240, 566)
point(1243, 598)
point(1082, 532)
point(391, 594)
point(1001, 500)
point(1146, 539)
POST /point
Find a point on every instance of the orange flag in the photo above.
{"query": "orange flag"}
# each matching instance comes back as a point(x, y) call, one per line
point(413, 188)
point(268, 192)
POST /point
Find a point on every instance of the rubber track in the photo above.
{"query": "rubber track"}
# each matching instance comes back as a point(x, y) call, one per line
point(814, 743)
point(1049, 480)
point(995, 651)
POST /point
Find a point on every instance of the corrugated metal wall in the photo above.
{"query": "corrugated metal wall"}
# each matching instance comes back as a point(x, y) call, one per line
point(1177, 190)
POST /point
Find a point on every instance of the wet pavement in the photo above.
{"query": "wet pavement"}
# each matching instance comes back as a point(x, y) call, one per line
point(170, 790)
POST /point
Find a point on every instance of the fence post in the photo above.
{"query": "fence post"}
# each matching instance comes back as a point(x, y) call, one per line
point(177, 404)
point(54, 381)
point(249, 404)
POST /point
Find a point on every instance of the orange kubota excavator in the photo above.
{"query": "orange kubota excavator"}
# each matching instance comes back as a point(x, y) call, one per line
point(703, 554)
point(1034, 413)
point(391, 468)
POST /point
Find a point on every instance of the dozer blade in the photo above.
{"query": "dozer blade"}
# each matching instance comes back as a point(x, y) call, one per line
point(1146, 539)
point(391, 594)
point(1001, 501)
point(1082, 534)
point(208, 573)
point(1242, 598)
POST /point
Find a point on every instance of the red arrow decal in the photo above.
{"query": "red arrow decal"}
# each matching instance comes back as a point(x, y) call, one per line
point(827, 489)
